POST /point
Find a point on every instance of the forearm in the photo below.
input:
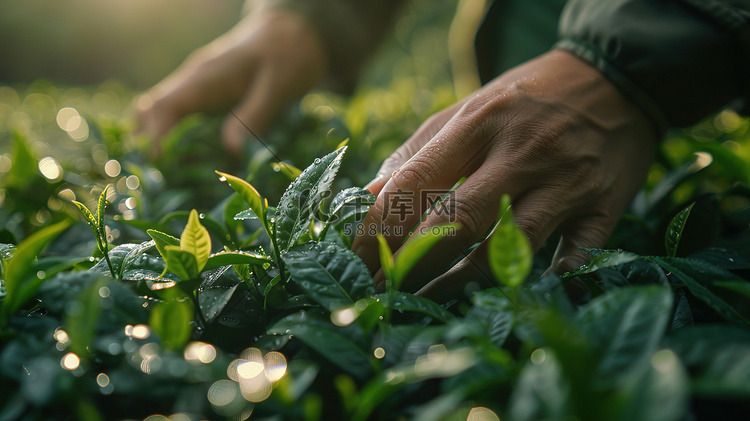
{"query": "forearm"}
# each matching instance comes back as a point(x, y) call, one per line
point(350, 30)
point(678, 60)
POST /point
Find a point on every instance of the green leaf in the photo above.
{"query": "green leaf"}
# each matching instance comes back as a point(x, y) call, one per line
point(386, 262)
point(509, 252)
point(19, 267)
point(741, 287)
point(163, 240)
point(626, 325)
point(248, 193)
point(601, 259)
point(656, 389)
point(133, 255)
point(288, 169)
point(302, 198)
point(102, 203)
point(332, 343)
point(182, 263)
point(116, 257)
point(226, 258)
point(681, 267)
point(24, 167)
point(82, 317)
point(196, 241)
point(353, 200)
point(415, 249)
point(329, 274)
point(171, 321)
point(245, 214)
point(88, 215)
point(495, 314)
point(6, 251)
point(674, 231)
point(541, 392)
point(403, 301)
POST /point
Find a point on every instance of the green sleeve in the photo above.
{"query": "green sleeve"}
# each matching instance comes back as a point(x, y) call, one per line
point(351, 31)
point(678, 60)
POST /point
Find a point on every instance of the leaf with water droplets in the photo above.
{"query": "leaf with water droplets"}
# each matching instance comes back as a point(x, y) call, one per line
point(302, 198)
point(6, 251)
point(349, 202)
point(248, 193)
point(100, 213)
point(227, 258)
point(403, 301)
point(196, 241)
point(693, 274)
point(329, 274)
point(674, 231)
point(87, 215)
point(601, 259)
point(20, 267)
point(331, 342)
point(163, 240)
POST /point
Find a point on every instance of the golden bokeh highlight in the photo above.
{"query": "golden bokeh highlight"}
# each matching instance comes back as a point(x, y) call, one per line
point(70, 361)
point(200, 352)
point(102, 380)
point(480, 413)
point(50, 169)
point(255, 374)
point(141, 332)
point(379, 353)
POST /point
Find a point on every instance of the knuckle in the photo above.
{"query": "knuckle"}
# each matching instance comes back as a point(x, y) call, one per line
point(414, 175)
point(471, 215)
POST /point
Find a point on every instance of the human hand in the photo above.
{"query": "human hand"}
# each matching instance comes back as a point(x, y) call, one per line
point(260, 66)
point(553, 133)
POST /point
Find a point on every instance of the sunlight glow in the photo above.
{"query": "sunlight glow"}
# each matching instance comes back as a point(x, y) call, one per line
point(344, 317)
point(70, 361)
point(200, 351)
point(50, 169)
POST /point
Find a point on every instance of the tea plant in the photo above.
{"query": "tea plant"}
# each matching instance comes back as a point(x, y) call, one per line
point(286, 323)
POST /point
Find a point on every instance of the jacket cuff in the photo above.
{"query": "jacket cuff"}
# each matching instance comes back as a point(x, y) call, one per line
point(350, 30)
point(674, 61)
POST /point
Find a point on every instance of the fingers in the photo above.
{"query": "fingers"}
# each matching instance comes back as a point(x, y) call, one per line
point(453, 152)
point(473, 272)
point(424, 134)
point(474, 206)
point(259, 67)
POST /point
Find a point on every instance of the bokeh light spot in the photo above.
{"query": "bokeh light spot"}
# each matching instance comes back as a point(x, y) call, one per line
point(379, 353)
point(50, 169)
point(70, 361)
point(112, 168)
point(480, 413)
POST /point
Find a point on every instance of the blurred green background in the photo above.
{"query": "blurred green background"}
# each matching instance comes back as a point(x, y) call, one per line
point(71, 69)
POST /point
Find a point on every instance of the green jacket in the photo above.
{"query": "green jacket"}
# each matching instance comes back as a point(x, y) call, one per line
point(679, 60)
